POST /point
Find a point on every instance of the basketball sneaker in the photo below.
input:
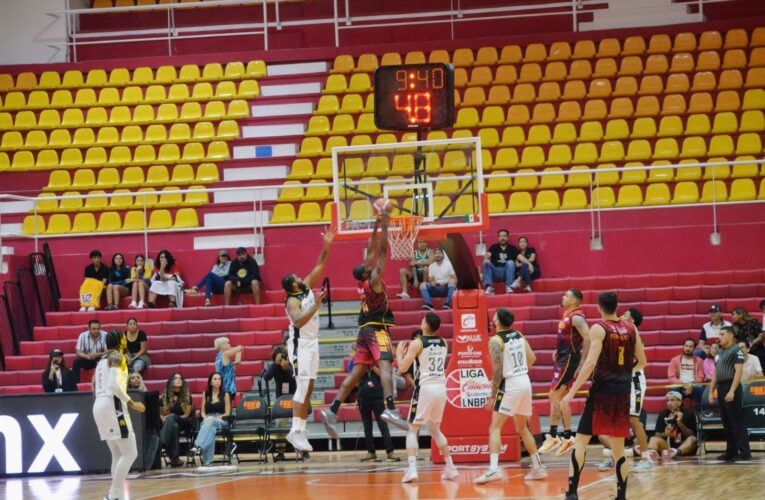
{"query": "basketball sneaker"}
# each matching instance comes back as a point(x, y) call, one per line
point(606, 464)
point(370, 457)
point(566, 445)
point(489, 290)
point(403, 295)
point(299, 440)
point(449, 473)
point(516, 284)
point(645, 465)
point(330, 423)
point(550, 443)
point(410, 476)
point(392, 417)
point(489, 476)
point(536, 473)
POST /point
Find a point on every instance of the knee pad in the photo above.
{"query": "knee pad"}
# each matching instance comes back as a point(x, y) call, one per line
point(411, 438)
point(301, 387)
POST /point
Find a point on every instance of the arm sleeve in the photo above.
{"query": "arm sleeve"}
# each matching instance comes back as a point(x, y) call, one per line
point(114, 385)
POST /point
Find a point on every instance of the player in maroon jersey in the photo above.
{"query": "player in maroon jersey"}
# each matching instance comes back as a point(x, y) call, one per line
point(373, 344)
point(614, 345)
point(572, 337)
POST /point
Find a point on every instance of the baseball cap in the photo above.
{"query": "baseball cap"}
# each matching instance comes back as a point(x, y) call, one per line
point(715, 309)
point(56, 352)
point(241, 250)
point(675, 394)
point(222, 253)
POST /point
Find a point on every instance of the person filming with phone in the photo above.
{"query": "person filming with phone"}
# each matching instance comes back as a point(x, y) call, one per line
point(57, 377)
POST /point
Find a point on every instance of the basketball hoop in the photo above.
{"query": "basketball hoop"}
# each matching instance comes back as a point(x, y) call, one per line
point(402, 232)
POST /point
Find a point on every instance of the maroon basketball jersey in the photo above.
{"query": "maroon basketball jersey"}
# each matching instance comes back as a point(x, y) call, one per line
point(374, 305)
point(617, 357)
point(569, 339)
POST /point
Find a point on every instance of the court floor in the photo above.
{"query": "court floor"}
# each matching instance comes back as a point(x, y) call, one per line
point(341, 476)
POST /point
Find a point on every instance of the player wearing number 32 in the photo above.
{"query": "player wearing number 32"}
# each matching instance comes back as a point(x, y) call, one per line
point(511, 359)
point(428, 354)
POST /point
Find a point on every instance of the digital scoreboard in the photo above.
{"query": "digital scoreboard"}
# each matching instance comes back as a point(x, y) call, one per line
point(414, 96)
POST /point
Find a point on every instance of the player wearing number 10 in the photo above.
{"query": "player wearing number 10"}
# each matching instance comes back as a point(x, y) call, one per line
point(511, 358)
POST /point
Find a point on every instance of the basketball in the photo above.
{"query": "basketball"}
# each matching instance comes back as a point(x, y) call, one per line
point(383, 204)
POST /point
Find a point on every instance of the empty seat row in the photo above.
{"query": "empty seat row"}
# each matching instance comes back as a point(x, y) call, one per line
point(122, 77)
point(342, 124)
point(598, 109)
point(111, 136)
point(559, 51)
point(109, 177)
point(143, 114)
point(95, 157)
point(168, 197)
point(85, 222)
point(100, 4)
point(351, 103)
point(130, 96)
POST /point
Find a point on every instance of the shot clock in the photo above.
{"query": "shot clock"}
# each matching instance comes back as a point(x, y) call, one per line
point(414, 96)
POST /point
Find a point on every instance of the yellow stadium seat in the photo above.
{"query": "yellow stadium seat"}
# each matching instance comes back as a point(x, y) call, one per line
point(547, 200)
point(328, 105)
point(685, 192)
point(505, 75)
point(186, 218)
point(511, 54)
point(96, 204)
point(594, 110)
point(605, 68)
point(59, 224)
point(526, 181)
point(460, 80)
point(734, 58)
point(316, 193)
point(336, 84)
point(736, 38)
point(578, 177)
point(651, 85)
point(742, 190)
point(206, 173)
point(366, 124)
point(616, 129)
point(580, 70)
point(359, 83)
point(513, 136)
point(543, 113)
point(665, 148)
point(212, 72)
point(498, 94)
point(37, 99)
point(639, 149)
point(480, 76)
point(754, 99)
point(593, 130)
point(475, 96)
point(520, 202)
point(714, 191)
point(599, 87)
point(84, 223)
point(744, 170)
point(146, 197)
point(59, 180)
point(132, 176)
point(633, 45)
point(565, 133)
point(391, 59)
point(109, 222)
point(530, 73)
point(506, 158)
point(584, 49)
point(523, 93)
point(609, 47)
point(132, 134)
point(697, 124)
point(237, 108)
point(721, 145)
point(334, 142)
point(553, 178)
point(629, 196)
point(661, 174)
point(352, 103)
point(727, 100)
point(585, 153)
point(489, 137)
point(492, 116)
point(160, 219)
point(311, 146)
point(108, 178)
point(44, 203)
point(318, 125)
point(755, 78)
point(496, 203)
point(486, 56)
point(684, 42)
point(758, 37)
point(555, 72)
point(60, 138)
point(625, 86)
point(134, 221)
point(673, 104)
point(183, 174)
point(710, 40)
point(647, 106)
point(414, 57)
point(643, 128)
point(120, 115)
point(227, 129)
point(157, 175)
point(681, 63)
point(192, 152)
point(633, 65)
point(15, 100)
point(71, 158)
point(463, 57)
point(109, 97)
point(33, 224)
point(748, 144)
point(603, 178)
point(693, 147)
point(703, 81)
point(574, 199)
point(533, 156)
point(558, 154)
point(367, 63)
point(730, 79)
point(12, 140)
point(122, 202)
point(621, 107)
point(603, 197)
point(610, 151)
point(256, 69)
point(657, 194)
point(47, 159)
point(26, 81)
point(35, 139)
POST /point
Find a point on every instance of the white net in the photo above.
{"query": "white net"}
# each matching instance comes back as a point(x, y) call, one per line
point(402, 232)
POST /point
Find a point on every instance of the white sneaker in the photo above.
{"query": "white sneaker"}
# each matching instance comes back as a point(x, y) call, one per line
point(489, 290)
point(141, 305)
point(403, 295)
point(536, 473)
point(528, 288)
point(91, 309)
point(643, 466)
point(550, 444)
point(489, 476)
point(516, 283)
point(133, 305)
point(392, 417)
point(83, 309)
point(565, 446)
point(292, 438)
point(299, 440)
point(449, 473)
point(410, 476)
point(606, 464)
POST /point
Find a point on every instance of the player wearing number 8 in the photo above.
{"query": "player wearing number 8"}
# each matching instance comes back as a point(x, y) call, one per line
point(511, 358)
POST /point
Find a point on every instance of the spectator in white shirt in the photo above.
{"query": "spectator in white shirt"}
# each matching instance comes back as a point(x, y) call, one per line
point(91, 345)
point(710, 332)
point(752, 366)
point(442, 281)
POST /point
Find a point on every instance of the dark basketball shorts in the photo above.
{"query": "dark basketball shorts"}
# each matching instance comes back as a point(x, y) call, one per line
point(372, 345)
point(564, 370)
point(607, 411)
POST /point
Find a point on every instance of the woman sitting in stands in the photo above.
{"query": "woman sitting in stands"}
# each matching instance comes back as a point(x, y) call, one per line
point(140, 275)
point(153, 423)
point(216, 407)
point(745, 326)
point(137, 347)
point(214, 281)
point(166, 280)
point(175, 411)
point(119, 282)
point(57, 377)
point(135, 382)
point(709, 362)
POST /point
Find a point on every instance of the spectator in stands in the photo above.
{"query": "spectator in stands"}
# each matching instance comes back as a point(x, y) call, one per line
point(91, 345)
point(499, 263)
point(280, 371)
point(370, 402)
point(709, 362)
point(527, 265)
point(92, 288)
point(675, 432)
point(710, 332)
point(57, 377)
point(417, 272)
point(140, 275)
point(118, 286)
point(214, 281)
point(226, 361)
point(752, 366)
point(243, 277)
point(442, 281)
point(686, 369)
point(745, 326)
point(137, 347)
point(216, 408)
point(166, 280)
point(135, 382)
point(175, 411)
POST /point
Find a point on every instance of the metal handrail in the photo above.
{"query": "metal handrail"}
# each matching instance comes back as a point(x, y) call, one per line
point(325, 285)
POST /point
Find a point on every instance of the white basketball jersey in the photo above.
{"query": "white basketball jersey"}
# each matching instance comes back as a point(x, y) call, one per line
point(513, 354)
point(311, 329)
point(101, 387)
point(430, 363)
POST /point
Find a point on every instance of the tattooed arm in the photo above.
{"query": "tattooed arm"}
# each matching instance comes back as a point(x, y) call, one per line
point(495, 348)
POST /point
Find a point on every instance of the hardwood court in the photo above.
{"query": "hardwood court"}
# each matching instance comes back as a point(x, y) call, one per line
point(340, 476)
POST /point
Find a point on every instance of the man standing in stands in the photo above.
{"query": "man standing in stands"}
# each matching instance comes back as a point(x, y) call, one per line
point(710, 332)
point(91, 345)
point(243, 277)
point(730, 397)
point(499, 263)
point(573, 333)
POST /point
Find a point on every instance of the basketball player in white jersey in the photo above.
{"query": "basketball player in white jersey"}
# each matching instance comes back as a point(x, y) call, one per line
point(302, 307)
point(428, 353)
point(511, 359)
point(111, 414)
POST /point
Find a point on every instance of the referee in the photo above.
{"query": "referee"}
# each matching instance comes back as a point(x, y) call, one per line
point(727, 380)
